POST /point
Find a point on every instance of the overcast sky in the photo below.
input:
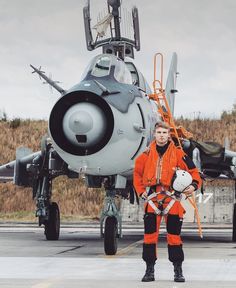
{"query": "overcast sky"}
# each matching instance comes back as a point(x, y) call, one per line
point(50, 33)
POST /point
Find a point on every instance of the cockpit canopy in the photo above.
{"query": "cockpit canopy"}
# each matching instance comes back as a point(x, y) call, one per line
point(108, 65)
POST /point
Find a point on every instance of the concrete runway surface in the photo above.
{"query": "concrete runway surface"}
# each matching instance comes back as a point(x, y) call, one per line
point(78, 260)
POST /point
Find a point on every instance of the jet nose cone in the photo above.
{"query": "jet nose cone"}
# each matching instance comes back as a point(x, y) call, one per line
point(84, 124)
point(80, 122)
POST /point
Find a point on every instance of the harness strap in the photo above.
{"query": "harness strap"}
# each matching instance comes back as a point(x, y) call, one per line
point(158, 211)
point(154, 194)
point(168, 207)
point(168, 193)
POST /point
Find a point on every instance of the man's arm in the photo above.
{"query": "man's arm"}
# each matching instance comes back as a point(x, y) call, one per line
point(138, 174)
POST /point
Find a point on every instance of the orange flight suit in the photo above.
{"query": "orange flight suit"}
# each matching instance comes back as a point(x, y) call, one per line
point(156, 171)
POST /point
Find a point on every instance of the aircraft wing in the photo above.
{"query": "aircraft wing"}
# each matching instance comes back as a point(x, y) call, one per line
point(16, 171)
point(7, 172)
point(213, 160)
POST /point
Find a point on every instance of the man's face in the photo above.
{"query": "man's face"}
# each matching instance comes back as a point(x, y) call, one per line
point(162, 136)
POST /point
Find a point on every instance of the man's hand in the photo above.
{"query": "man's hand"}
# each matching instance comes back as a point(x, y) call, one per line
point(189, 191)
point(144, 196)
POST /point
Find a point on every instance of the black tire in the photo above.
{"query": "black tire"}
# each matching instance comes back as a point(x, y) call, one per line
point(52, 225)
point(234, 224)
point(110, 236)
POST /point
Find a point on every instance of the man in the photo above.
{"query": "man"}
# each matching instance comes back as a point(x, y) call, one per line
point(153, 174)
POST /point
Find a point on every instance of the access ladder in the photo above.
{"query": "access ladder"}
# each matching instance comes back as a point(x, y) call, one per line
point(177, 133)
point(163, 105)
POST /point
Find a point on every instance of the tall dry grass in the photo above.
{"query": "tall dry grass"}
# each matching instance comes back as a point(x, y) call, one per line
point(28, 134)
point(216, 130)
point(73, 197)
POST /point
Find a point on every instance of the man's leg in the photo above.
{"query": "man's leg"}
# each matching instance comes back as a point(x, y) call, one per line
point(151, 230)
point(175, 250)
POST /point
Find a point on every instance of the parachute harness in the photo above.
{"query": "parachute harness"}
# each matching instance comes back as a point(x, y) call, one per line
point(160, 210)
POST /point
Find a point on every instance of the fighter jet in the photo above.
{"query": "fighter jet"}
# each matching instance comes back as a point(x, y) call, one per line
point(99, 126)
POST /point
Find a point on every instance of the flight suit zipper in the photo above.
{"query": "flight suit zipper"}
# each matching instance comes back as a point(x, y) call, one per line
point(158, 170)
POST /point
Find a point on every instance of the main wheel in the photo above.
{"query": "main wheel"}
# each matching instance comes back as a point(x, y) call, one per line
point(110, 236)
point(234, 224)
point(52, 225)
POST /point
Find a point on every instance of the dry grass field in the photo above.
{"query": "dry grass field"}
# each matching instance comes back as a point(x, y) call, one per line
point(76, 201)
point(212, 129)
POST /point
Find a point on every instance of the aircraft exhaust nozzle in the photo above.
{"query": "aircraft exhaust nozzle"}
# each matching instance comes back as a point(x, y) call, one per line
point(81, 123)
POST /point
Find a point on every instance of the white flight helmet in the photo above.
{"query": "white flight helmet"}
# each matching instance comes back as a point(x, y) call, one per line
point(181, 180)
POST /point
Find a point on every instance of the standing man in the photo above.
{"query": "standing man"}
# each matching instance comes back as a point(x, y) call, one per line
point(154, 172)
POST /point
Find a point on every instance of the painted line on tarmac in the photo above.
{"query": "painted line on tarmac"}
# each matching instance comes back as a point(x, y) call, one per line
point(124, 251)
point(48, 282)
point(42, 285)
point(129, 248)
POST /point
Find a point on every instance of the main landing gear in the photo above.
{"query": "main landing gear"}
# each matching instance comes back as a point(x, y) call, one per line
point(43, 170)
point(52, 225)
point(48, 212)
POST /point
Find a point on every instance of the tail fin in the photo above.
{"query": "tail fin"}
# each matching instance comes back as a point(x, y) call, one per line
point(171, 83)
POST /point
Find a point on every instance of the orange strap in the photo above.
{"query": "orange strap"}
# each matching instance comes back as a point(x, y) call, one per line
point(193, 203)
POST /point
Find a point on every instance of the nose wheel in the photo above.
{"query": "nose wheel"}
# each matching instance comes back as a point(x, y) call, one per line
point(110, 223)
point(52, 225)
point(110, 236)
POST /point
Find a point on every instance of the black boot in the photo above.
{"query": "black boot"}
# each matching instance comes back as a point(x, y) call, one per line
point(149, 274)
point(178, 277)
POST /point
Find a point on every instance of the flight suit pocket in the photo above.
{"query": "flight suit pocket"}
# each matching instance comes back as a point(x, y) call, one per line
point(150, 223)
point(174, 224)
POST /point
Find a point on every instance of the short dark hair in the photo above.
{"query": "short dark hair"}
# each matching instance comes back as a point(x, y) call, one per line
point(161, 124)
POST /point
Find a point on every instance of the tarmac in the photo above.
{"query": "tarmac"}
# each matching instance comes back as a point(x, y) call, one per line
point(77, 259)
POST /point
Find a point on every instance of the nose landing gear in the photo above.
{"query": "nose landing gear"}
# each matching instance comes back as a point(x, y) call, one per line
point(111, 219)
